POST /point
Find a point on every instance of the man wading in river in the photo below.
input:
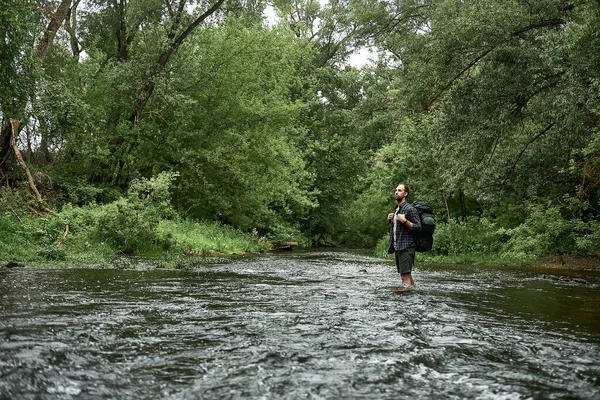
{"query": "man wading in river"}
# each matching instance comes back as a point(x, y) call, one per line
point(403, 221)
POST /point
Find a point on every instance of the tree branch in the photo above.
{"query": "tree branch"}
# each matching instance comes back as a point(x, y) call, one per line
point(177, 19)
point(467, 68)
point(55, 22)
point(71, 27)
point(514, 165)
point(148, 88)
point(518, 33)
point(541, 24)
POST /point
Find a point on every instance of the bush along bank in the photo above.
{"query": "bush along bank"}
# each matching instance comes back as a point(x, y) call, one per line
point(142, 224)
point(544, 238)
point(91, 238)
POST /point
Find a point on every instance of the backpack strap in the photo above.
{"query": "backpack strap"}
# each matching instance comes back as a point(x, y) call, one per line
point(403, 208)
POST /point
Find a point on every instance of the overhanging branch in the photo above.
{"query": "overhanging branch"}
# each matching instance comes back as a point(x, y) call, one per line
point(159, 66)
point(520, 33)
point(457, 77)
point(533, 139)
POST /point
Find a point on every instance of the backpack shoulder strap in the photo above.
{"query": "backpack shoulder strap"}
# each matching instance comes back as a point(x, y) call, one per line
point(404, 207)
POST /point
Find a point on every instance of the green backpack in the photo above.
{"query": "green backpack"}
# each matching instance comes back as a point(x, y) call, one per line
point(424, 238)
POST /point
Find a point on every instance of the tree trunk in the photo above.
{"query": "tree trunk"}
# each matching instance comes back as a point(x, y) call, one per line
point(447, 208)
point(56, 20)
point(71, 27)
point(5, 148)
point(122, 40)
point(463, 206)
point(15, 126)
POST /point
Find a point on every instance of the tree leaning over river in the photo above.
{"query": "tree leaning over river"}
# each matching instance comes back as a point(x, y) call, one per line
point(489, 110)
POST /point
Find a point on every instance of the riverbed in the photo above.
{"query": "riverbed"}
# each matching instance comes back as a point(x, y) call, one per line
point(312, 324)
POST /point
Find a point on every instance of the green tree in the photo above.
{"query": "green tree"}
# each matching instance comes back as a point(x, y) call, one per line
point(24, 49)
point(345, 107)
point(511, 106)
point(229, 124)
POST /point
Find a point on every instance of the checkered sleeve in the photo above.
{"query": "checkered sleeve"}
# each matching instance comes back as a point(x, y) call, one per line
point(413, 216)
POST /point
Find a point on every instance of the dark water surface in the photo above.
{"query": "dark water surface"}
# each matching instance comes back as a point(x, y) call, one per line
point(316, 325)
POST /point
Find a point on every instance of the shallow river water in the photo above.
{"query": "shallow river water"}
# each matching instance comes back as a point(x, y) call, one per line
point(315, 324)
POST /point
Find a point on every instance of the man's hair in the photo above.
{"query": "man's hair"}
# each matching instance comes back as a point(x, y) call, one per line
point(406, 188)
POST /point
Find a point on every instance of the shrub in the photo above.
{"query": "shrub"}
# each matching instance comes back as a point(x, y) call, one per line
point(206, 236)
point(15, 243)
point(543, 232)
point(129, 224)
point(587, 239)
point(473, 236)
point(381, 248)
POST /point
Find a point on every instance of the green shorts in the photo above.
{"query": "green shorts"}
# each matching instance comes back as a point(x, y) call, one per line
point(405, 259)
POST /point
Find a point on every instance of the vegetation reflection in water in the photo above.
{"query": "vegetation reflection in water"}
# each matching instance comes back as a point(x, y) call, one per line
point(312, 324)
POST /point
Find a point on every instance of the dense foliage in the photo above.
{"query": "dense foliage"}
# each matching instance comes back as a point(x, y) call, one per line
point(142, 118)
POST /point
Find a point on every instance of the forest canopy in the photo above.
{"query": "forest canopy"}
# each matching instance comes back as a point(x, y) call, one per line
point(250, 115)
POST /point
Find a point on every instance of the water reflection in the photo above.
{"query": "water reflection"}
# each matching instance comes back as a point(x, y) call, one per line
point(313, 324)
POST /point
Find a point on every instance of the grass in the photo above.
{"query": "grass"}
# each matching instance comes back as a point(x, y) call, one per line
point(205, 238)
point(173, 244)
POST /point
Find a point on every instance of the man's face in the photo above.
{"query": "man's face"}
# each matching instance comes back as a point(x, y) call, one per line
point(400, 193)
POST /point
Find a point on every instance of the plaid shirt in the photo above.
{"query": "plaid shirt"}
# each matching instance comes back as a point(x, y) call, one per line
point(400, 236)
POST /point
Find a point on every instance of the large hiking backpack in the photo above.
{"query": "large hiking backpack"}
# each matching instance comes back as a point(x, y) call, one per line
point(424, 239)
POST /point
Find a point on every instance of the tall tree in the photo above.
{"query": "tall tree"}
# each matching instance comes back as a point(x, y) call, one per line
point(228, 122)
point(178, 24)
point(14, 50)
point(503, 94)
point(340, 101)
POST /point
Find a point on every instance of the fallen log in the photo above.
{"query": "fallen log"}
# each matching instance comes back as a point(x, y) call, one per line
point(15, 125)
point(287, 245)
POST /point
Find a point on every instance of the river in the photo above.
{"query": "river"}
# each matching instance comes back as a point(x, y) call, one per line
point(312, 324)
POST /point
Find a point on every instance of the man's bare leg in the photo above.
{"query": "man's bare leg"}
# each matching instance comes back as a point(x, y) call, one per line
point(407, 279)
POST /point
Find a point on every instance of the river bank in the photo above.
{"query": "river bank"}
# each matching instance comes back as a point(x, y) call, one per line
point(570, 263)
point(90, 239)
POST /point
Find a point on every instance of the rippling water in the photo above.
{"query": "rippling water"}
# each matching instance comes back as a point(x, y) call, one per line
point(318, 325)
